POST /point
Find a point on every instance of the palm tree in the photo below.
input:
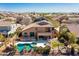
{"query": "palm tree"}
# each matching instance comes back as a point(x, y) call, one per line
point(18, 31)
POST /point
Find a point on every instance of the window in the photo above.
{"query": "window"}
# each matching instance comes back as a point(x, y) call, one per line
point(48, 29)
point(24, 34)
point(31, 34)
point(52, 28)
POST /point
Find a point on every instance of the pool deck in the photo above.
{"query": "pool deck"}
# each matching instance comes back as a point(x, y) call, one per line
point(39, 43)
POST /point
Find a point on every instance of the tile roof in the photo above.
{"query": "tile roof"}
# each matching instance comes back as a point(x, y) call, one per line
point(37, 25)
point(5, 23)
point(74, 28)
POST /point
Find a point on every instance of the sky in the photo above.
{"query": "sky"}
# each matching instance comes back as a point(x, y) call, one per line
point(40, 7)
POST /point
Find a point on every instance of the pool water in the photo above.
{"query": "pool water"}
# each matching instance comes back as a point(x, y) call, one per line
point(27, 47)
point(20, 47)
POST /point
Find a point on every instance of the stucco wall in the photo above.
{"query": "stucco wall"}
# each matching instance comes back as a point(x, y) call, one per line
point(38, 30)
point(30, 30)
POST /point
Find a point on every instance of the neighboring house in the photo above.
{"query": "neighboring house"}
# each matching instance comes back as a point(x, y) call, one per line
point(14, 27)
point(74, 28)
point(38, 30)
point(7, 27)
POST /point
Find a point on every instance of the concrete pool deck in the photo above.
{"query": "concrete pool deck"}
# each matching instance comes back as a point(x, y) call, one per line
point(37, 44)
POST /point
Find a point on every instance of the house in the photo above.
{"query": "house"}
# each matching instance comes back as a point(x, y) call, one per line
point(40, 30)
point(7, 27)
point(74, 28)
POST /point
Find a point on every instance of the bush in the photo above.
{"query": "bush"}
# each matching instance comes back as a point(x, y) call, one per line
point(62, 40)
point(54, 44)
point(18, 32)
point(66, 35)
point(38, 50)
point(46, 50)
point(77, 42)
point(41, 50)
point(11, 34)
point(72, 38)
point(2, 38)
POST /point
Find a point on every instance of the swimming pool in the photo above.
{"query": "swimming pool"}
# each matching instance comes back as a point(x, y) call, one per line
point(26, 46)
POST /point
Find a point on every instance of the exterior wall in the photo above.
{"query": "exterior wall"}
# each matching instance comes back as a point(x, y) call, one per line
point(41, 29)
point(30, 30)
point(13, 28)
point(4, 29)
point(38, 30)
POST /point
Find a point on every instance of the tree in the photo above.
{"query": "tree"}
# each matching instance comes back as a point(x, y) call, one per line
point(18, 31)
point(38, 50)
point(63, 29)
point(46, 50)
point(2, 38)
point(67, 36)
point(63, 33)
point(19, 19)
point(24, 20)
point(11, 34)
point(1, 16)
point(72, 38)
point(55, 44)
point(42, 50)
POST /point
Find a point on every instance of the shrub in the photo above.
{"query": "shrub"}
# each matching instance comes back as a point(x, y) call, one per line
point(41, 50)
point(38, 50)
point(66, 35)
point(77, 42)
point(2, 38)
point(46, 50)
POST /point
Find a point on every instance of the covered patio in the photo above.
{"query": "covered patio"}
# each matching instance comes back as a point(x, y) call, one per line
point(44, 36)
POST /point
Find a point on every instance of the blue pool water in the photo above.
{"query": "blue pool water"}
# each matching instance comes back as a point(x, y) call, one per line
point(27, 47)
point(20, 47)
